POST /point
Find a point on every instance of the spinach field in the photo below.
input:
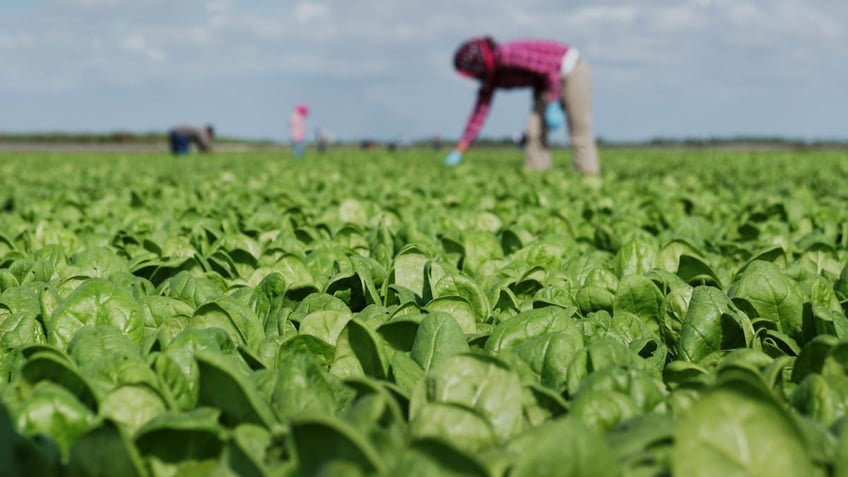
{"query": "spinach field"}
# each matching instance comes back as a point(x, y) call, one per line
point(366, 313)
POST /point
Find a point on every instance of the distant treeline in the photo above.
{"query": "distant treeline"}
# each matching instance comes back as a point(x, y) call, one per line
point(691, 142)
point(126, 137)
point(115, 137)
point(775, 141)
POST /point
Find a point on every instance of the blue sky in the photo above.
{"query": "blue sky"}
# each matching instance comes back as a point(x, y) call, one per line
point(382, 68)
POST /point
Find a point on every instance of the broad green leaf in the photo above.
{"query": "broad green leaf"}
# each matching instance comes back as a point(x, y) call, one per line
point(840, 461)
point(408, 271)
point(821, 258)
point(635, 257)
point(375, 413)
point(549, 355)
point(817, 398)
point(737, 428)
point(405, 372)
point(321, 442)
point(163, 310)
point(529, 283)
point(181, 384)
point(48, 366)
point(294, 272)
point(603, 410)
point(465, 287)
point(562, 447)
point(643, 444)
point(593, 298)
point(505, 306)
point(54, 411)
point(763, 291)
point(302, 386)
point(236, 318)
point(191, 289)
point(322, 352)
point(841, 284)
point(542, 404)
point(696, 272)
point(180, 438)
point(436, 457)
point(318, 302)
point(326, 325)
point(478, 382)
point(827, 357)
point(265, 297)
point(479, 247)
point(638, 295)
point(105, 450)
point(746, 358)
point(223, 385)
point(399, 331)
point(96, 302)
point(529, 324)
point(623, 327)
point(132, 405)
point(354, 287)
point(104, 353)
point(367, 346)
point(439, 337)
point(712, 324)
point(96, 262)
point(775, 255)
point(551, 295)
point(21, 301)
point(21, 323)
point(246, 454)
point(22, 456)
point(458, 308)
point(597, 355)
point(646, 391)
point(668, 258)
point(458, 424)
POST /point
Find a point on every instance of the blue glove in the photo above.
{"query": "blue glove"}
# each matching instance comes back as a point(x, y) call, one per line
point(454, 158)
point(554, 115)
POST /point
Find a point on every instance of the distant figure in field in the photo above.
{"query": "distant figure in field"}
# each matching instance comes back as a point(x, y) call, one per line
point(297, 129)
point(181, 137)
point(322, 139)
point(436, 143)
point(561, 82)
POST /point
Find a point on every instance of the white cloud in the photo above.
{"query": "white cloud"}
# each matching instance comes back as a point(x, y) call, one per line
point(605, 15)
point(307, 12)
point(90, 3)
point(714, 48)
point(198, 36)
point(14, 41)
point(218, 6)
point(136, 43)
point(680, 18)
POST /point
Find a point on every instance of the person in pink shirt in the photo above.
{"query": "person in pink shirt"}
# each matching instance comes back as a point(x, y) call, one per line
point(561, 82)
point(297, 129)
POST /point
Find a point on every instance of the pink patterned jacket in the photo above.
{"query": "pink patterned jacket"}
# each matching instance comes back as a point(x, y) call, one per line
point(525, 63)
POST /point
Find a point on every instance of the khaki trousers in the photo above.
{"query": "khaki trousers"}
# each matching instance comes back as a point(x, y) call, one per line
point(577, 103)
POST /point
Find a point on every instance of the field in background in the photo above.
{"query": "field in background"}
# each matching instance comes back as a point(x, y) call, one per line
point(124, 141)
point(373, 313)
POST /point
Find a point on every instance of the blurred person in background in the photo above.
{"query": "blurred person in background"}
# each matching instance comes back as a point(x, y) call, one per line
point(297, 129)
point(561, 82)
point(323, 138)
point(181, 137)
point(436, 143)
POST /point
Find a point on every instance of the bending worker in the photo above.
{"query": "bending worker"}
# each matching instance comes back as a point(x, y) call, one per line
point(561, 82)
point(181, 137)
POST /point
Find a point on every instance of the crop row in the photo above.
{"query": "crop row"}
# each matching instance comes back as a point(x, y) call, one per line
point(371, 314)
